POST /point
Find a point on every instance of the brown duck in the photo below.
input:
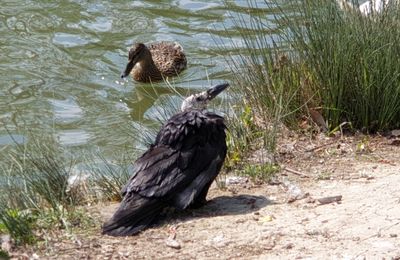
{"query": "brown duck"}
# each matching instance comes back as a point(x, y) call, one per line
point(155, 61)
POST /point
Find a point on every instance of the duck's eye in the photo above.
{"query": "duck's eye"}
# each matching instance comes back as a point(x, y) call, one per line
point(198, 99)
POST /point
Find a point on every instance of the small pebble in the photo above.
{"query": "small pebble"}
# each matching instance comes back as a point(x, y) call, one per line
point(289, 246)
point(172, 243)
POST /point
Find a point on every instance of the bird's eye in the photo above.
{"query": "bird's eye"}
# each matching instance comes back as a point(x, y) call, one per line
point(198, 99)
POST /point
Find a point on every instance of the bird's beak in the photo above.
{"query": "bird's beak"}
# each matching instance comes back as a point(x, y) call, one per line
point(214, 91)
point(128, 68)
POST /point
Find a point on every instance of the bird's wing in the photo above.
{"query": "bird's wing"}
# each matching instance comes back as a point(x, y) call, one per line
point(162, 171)
point(149, 169)
point(175, 161)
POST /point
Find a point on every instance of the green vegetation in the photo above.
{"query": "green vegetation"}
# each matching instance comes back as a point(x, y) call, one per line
point(107, 180)
point(4, 255)
point(353, 61)
point(315, 57)
point(38, 195)
point(19, 224)
point(268, 89)
point(32, 180)
point(260, 172)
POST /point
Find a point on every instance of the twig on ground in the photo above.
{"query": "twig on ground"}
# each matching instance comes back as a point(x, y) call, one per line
point(295, 172)
point(73, 248)
point(319, 146)
point(216, 248)
point(331, 199)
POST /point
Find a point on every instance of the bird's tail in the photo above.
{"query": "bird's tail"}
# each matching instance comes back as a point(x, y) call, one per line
point(133, 215)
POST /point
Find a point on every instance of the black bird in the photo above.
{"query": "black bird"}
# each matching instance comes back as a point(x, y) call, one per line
point(177, 170)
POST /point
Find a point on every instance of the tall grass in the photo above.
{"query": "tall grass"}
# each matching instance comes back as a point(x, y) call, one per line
point(312, 54)
point(17, 223)
point(42, 174)
point(107, 178)
point(33, 183)
point(353, 60)
point(267, 85)
point(36, 193)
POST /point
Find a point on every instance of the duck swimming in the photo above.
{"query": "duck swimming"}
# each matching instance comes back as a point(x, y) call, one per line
point(155, 61)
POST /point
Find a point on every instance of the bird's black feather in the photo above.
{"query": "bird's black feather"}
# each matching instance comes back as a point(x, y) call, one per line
point(177, 171)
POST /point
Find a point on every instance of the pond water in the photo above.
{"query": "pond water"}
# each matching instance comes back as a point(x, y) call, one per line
point(60, 63)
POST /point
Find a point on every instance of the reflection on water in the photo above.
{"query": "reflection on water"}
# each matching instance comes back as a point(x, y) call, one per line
point(60, 63)
point(144, 97)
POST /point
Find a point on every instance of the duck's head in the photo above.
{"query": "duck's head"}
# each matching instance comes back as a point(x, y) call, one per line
point(136, 53)
point(200, 100)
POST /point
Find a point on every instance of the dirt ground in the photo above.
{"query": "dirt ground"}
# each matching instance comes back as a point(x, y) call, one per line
point(282, 219)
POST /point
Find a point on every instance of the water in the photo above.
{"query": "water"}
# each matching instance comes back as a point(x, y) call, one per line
point(60, 63)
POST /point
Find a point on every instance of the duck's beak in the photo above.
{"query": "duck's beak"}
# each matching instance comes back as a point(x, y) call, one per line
point(216, 90)
point(128, 68)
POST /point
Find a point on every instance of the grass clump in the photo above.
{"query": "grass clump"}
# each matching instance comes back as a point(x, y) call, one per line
point(267, 87)
point(353, 61)
point(310, 58)
point(313, 54)
point(4, 255)
point(17, 223)
point(45, 188)
point(241, 133)
point(40, 175)
point(106, 178)
point(33, 180)
point(260, 172)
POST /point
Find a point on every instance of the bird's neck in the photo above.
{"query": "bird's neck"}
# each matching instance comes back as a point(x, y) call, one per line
point(145, 69)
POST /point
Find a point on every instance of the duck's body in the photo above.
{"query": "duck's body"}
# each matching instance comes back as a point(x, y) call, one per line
point(155, 61)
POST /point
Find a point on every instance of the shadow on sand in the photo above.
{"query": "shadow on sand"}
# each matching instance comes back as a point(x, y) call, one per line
point(219, 206)
point(233, 205)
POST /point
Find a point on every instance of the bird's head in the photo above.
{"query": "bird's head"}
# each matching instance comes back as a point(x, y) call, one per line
point(200, 100)
point(136, 53)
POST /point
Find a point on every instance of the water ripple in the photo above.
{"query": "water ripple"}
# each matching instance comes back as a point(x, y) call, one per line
point(61, 61)
point(66, 111)
point(71, 40)
point(101, 24)
point(73, 137)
